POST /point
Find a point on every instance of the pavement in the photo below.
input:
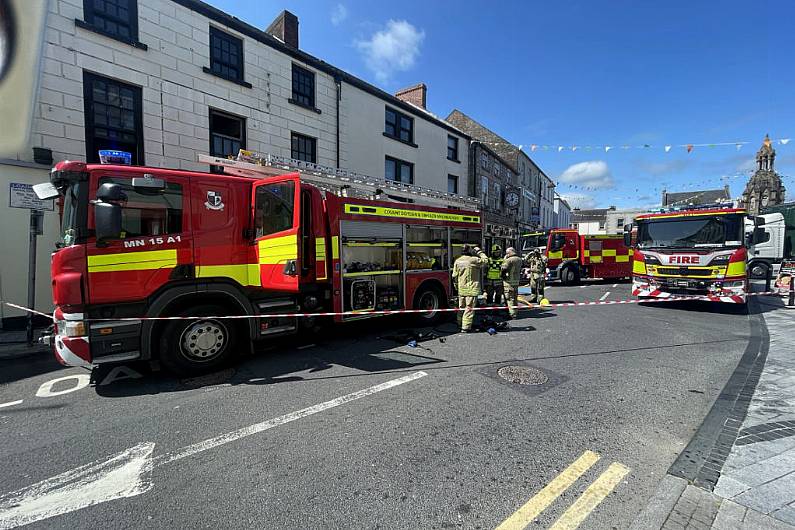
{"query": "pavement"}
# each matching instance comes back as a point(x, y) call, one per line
point(355, 429)
point(13, 345)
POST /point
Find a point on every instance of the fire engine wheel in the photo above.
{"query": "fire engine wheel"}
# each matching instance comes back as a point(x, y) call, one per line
point(759, 270)
point(198, 345)
point(569, 276)
point(430, 300)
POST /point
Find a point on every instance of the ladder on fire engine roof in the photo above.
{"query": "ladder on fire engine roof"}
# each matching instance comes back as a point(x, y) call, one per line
point(337, 181)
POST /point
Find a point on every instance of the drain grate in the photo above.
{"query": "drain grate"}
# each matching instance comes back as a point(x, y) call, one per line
point(522, 375)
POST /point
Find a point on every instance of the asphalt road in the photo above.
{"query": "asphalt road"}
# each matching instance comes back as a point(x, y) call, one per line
point(453, 446)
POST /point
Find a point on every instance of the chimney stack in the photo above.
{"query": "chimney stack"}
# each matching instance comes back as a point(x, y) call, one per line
point(415, 95)
point(285, 28)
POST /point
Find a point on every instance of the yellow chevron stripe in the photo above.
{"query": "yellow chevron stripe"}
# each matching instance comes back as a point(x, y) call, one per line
point(278, 250)
point(335, 247)
point(608, 252)
point(736, 269)
point(622, 259)
point(246, 274)
point(133, 261)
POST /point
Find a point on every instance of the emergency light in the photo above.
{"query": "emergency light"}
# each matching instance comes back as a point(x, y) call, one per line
point(112, 156)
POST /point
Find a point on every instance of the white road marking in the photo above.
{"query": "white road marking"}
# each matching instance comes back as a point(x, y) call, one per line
point(615, 285)
point(583, 286)
point(81, 381)
point(100, 481)
point(122, 475)
point(605, 296)
point(11, 403)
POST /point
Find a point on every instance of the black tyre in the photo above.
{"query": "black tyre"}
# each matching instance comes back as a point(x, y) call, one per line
point(569, 276)
point(429, 299)
point(758, 270)
point(198, 345)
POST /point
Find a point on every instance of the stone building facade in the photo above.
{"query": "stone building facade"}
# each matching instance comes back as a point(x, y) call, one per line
point(765, 187)
point(537, 189)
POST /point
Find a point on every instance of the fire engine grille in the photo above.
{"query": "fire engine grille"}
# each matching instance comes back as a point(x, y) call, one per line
point(684, 271)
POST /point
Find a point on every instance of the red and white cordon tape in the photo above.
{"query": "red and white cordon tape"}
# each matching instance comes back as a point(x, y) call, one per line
point(403, 311)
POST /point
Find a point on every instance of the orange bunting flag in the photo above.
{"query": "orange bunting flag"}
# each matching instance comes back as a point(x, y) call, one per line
point(689, 148)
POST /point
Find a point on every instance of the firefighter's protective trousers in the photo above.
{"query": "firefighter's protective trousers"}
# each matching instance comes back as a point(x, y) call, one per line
point(511, 275)
point(466, 274)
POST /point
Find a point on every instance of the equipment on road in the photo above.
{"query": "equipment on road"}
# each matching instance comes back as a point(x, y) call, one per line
point(697, 251)
point(274, 238)
point(573, 256)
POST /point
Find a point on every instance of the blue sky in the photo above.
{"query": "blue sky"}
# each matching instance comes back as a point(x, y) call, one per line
point(582, 73)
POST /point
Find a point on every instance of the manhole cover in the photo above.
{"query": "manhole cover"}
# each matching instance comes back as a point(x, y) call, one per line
point(523, 375)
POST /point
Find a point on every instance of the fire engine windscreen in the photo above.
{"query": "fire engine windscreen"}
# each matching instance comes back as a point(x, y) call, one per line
point(70, 223)
point(689, 232)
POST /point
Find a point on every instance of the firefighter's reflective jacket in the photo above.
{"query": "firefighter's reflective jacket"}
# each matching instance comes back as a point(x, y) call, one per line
point(495, 266)
point(466, 274)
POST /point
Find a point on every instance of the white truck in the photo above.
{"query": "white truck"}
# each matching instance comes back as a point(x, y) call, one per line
point(776, 244)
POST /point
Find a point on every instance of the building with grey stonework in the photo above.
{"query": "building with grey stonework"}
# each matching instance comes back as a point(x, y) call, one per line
point(765, 187)
point(537, 189)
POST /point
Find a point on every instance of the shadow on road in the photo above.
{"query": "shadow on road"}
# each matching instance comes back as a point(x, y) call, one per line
point(24, 367)
point(371, 346)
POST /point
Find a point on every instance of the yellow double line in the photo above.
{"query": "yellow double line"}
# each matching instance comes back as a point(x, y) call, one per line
point(582, 507)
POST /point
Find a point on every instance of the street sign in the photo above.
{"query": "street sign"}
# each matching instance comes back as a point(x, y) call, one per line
point(22, 196)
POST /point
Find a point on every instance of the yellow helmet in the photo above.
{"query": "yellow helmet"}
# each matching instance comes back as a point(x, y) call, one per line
point(496, 248)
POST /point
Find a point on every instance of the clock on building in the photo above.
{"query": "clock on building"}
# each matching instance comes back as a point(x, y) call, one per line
point(512, 199)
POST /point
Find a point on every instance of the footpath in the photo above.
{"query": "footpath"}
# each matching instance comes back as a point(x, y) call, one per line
point(738, 472)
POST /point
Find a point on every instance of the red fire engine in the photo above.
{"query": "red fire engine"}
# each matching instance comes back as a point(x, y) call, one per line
point(573, 257)
point(695, 251)
point(152, 242)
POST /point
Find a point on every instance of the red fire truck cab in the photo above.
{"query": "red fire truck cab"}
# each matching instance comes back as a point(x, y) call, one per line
point(142, 242)
point(573, 257)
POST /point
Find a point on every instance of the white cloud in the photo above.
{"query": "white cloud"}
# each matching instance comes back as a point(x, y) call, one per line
point(580, 200)
point(393, 49)
point(592, 174)
point(339, 14)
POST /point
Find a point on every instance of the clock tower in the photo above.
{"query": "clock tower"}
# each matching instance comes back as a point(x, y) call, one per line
point(765, 187)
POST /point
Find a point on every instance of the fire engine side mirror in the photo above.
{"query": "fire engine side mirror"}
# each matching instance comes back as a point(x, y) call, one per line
point(107, 221)
point(628, 235)
point(110, 191)
point(558, 242)
point(107, 212)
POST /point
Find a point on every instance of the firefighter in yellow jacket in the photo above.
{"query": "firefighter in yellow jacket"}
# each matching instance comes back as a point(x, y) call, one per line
point(466, 275)
point(494, 277)
point(511, 272)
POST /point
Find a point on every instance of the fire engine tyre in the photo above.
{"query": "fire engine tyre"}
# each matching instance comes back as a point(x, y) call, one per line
point(569, 276)
point(759, 270)
point(197, 346)
point(432, 299)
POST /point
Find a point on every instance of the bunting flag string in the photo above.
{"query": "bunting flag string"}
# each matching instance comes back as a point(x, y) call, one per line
point(667, 148)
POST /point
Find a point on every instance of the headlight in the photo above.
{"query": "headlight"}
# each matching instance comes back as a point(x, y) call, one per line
point(72, 328)
point(720, 260)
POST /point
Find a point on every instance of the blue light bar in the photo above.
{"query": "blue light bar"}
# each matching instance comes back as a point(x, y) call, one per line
point(112, 156)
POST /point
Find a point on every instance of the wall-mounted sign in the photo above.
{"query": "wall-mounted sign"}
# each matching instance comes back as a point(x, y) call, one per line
point(22, 196)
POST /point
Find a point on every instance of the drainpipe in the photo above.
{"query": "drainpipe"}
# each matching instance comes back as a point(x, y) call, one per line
point(338, 83)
